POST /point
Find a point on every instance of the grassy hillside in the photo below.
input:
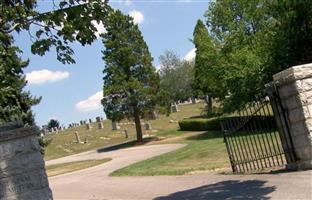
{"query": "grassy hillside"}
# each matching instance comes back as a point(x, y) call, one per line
point(64, 144)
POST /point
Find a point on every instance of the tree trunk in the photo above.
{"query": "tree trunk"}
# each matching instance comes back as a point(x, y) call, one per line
point(209, 110)
point(138, 125)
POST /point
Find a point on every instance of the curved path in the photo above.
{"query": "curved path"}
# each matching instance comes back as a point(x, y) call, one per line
point(95, 184)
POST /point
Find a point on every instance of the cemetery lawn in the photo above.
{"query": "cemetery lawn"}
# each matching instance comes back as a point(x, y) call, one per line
point(58, 169)
point(204, 152)
point(64, 143)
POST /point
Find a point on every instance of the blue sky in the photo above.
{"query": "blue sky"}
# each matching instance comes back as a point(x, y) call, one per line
point(71, 93)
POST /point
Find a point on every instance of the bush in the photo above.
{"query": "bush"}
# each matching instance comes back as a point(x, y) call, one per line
point(200, 124)
point(205, 124)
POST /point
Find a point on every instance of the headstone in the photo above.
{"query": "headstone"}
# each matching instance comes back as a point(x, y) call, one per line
point(100, 125)
point(90, 121)
point(98, 119)
point(88, 126)
point(190, 100)
point(22, 171)
point(174, 108)
point(152, 115)
point(193, 100)
point(77, 137)
point(126, 133)
point(148, 126)
point(81, 122)
point(115, 126)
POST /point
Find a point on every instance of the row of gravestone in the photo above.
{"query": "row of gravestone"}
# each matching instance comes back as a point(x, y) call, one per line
point(174, 106)
point(116, 126)
point(97, 119)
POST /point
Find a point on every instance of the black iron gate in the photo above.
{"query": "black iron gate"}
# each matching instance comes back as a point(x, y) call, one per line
point(253, 139)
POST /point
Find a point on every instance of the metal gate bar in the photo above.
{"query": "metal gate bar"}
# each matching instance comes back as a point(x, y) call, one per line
point(252, 140)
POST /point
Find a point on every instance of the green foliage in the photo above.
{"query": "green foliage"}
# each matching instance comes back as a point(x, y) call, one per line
point(200, 124)
point(15, 104)
point(43, 142)
point(130, 81)
point(53, 123)
point(242, 28)
point(69, 21)
point(207, 72)
point(176, 77)
point(248, 42)
point(292, 41)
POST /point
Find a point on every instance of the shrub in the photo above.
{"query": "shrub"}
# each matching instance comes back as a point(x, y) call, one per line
point(205, 124)
point(200, 124)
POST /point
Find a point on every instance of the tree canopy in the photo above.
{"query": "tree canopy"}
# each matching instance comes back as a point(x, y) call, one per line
point(15, 104)
point(53, 123)
point(69, 21)
point(176, 76)
point(246, 43)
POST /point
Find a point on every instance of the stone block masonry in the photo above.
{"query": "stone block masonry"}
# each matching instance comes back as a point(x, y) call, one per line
point(295, 90)
point(22, 169)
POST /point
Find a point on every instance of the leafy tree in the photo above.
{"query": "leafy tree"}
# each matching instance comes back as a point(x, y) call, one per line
point(207, 71)
point(292, 40)
point(258, 38)
point(130, 80)
point(243, 30)
point(70, 20)
point(176, 76)
point(53, 123)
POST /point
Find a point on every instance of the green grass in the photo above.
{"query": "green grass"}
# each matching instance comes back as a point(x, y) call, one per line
point(63, 144)
point(54, 170)
point(203, 152)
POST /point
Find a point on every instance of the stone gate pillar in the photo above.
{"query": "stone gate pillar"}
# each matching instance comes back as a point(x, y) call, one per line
point(294, 86)
point(22, 172)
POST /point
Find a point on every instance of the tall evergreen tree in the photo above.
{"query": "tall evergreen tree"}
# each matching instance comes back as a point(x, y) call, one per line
point(130, 81)
point(15, 103)
point(206, 70)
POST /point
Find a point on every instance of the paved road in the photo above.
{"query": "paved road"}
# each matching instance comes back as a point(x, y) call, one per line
point(95, 184)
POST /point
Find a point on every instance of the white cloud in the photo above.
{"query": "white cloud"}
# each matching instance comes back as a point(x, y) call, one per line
point(190, 56)
point(90, 104)
point(138, 16)
point(44, 76)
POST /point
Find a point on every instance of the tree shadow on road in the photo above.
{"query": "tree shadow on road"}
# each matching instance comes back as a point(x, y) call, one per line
point(233, 189)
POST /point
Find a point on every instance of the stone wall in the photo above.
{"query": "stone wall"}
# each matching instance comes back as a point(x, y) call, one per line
point(22, 171)
point(294, 86)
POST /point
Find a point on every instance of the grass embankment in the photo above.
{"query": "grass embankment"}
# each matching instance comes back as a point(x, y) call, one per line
point(58, 169)
point(64, 143)
point(204, 151)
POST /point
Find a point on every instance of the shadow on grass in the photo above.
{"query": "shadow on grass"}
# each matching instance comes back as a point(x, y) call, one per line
point(233, 189)
point(124, 145)
point(207, 135)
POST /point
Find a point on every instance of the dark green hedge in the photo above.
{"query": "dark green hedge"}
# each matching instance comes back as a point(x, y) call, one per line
point(200, 124)
point(204, 124)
